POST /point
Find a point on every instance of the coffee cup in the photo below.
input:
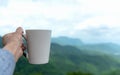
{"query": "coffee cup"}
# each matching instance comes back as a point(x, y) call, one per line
point(38, 46)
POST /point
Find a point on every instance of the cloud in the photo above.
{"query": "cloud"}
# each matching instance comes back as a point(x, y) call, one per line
point(100, 6)
point(57, 11)
point(30, 14)
point(89, 20)
point(3, 3)
point(69, 2)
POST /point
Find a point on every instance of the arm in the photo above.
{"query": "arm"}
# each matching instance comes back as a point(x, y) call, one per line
point(11, 52)
point(7, 62)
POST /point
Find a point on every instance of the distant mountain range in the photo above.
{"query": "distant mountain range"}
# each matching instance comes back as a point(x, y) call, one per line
point(67, 41)
point(109, 48)
point(0, 42)
point(72, 55)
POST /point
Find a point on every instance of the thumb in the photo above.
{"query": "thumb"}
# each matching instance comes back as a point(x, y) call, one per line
point(19, 30)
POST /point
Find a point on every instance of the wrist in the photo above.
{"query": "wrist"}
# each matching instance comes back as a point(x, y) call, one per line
point(10, 48)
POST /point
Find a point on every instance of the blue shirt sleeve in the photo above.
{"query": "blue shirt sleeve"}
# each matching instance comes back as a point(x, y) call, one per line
point(7, 62)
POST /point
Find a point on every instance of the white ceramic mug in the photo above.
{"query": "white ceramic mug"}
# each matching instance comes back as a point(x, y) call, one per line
point(38, 46)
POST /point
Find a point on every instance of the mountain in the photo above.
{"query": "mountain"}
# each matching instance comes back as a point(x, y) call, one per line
point(109, 48)
point(0, 42)
point(67, 59)
point(67, 41)
point(71, 58)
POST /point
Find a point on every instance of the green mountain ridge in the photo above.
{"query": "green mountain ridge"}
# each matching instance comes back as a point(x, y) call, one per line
point(68, 58)
point(109, 48)
point(65, 59)
point(1, 42)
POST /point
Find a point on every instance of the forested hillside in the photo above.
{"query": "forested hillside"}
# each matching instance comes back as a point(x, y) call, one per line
point(71, 60)
point(65, 60)
point(0, 42)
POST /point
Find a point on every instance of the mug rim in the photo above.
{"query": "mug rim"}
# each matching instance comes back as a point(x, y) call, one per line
point(38, 30)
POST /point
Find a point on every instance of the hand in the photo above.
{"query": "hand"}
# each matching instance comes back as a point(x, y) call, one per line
point(13, 43)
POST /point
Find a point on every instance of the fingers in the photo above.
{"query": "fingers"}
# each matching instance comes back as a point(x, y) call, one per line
point(23, 47)
point(19, 33)
point(5, 38)
point(19, 30)
point(18, 54)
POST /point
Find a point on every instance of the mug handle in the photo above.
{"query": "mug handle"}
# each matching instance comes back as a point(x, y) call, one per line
point(25, 52)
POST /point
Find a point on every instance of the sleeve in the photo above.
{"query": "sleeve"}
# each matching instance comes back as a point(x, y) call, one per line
point(7, 62)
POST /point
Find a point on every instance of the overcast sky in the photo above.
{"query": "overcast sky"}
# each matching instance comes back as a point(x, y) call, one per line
point(92, 21)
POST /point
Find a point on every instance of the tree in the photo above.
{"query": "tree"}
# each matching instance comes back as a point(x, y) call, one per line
point(78, 73)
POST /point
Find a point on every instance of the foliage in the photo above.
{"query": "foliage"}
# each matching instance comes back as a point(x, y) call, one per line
point(65, 59)
point(78, 73)
point(1, 42)
point(72, 61)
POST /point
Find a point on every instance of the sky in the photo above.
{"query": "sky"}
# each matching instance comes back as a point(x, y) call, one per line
point(92, 21)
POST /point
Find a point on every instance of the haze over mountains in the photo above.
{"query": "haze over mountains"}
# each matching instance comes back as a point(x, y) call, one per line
point(109, 48)
point(67, 41)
